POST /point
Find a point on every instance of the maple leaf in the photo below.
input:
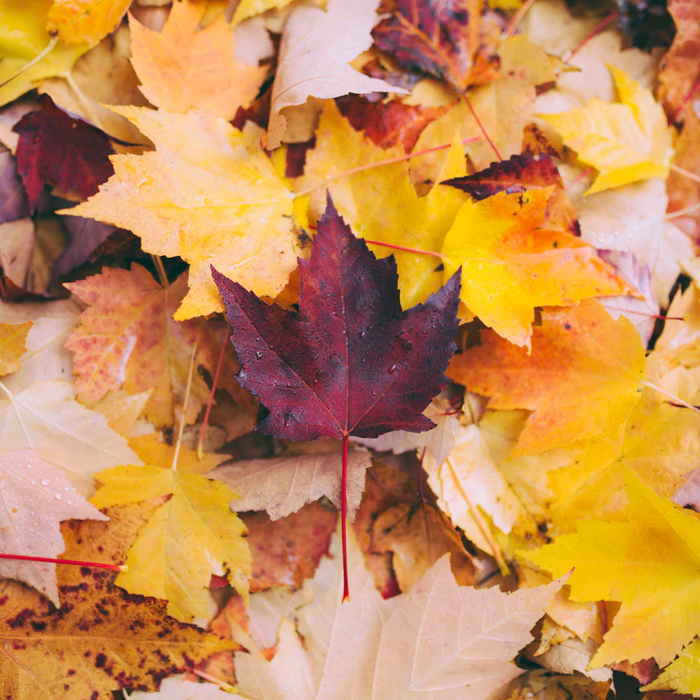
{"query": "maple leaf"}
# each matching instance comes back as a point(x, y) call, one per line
point(520, 174)
point(511, 266)
point(439, 637)
point(207, 194)
point(127, 336)
point(568, 345)
point(540, 685)
point(100, 639)
point(178, 688)
point(647, 563)
point(24, 38)
point(625, 142)
point(14, 205)
point(684, 191)
point(283, 485)
point(181, 68)
point(191, 536)
point(249, 8)
point(84, 237)
point(46, 417)
point(36, 498)
point(342, 161)
point(84, 21)
point(56, 148)
point(152, 451)
point(314, 54)
point(385, 365)
point(13, 346)
point(441, 39)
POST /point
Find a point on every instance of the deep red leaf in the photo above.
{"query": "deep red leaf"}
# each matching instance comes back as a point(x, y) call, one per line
point(66, 152)
point(351, 362)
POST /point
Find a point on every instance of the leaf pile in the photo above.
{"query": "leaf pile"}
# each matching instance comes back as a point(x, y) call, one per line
point(349, 349)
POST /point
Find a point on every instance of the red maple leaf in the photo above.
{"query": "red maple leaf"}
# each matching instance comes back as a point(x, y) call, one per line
point(56, 148)
point(351, 362)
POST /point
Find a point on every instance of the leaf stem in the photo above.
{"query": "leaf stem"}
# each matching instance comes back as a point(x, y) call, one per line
point(481, 126)
point(610, 18)
point(158, 264)
point(381, 163)
point(417, 251)
point(184, 407)
point(682, 212)
point(215, 381)
point(344, 518)
point(213, 679)
point(71, 562)
point(517, 18)
point(580, 177)
point(687, 173)
point(675, 399)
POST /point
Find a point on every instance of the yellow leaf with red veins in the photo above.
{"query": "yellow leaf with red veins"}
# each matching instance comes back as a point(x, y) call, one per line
point(127, 337)
point(85, 21)
point(582, 379)
point(625, 141)
point(510, 266)
point(181, 68)
point(209, 194)
point(13, 337)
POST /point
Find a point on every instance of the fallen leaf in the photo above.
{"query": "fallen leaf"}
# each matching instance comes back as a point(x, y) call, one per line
point(122, 410)
point(418, 534)
point(314, 57)
point(152, 451)
point(568, 344)
point(540, 685)
point(205, 181)
point(683, 675)
point(439, 39)
point(181, 68)
point(615, 561)
point(47, 418)
point(36, 498)
point(24, 37)
point(511, 266)
point(626, 141)
point(679, 69)
point(14, 205)
point(13, 345)
point(53, 147)
point(127, 337)
point(249, 8)
point(191, 536)
point(283, 485)
point(84, 21)
point(178, 688)
point(684, 191)
point(84, 237)
point(100, 639)
point(523, 58)
point(404, 643)
point(287, 551)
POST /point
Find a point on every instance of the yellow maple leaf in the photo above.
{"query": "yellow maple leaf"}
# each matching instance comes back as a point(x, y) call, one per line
point(683, 675)
point(626, 141)
point(510, 267)
point(23, 38)
point(181, 68)
point(209, 194)
point(13, 338)
point(380, 203)
point(188, 538)
point(649, 564)
point(582, 378)
point(152, 451)
point(250, 8)
point(85, 21)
